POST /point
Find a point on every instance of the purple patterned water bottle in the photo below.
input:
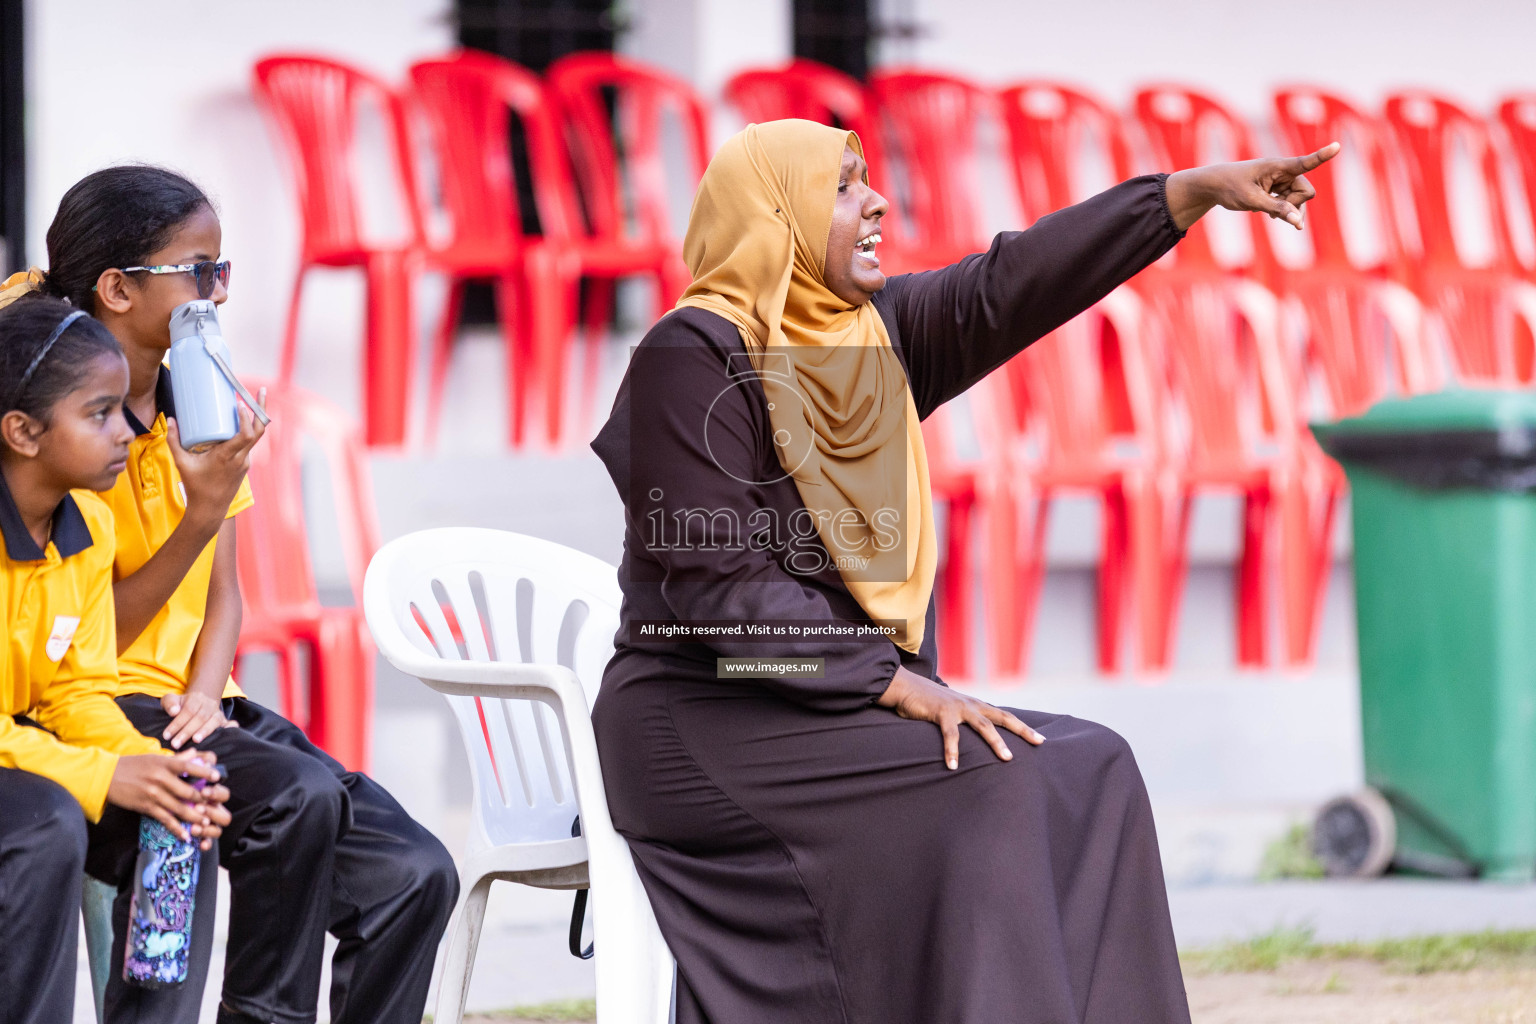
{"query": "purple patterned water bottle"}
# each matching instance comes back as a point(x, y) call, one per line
point(160, 914)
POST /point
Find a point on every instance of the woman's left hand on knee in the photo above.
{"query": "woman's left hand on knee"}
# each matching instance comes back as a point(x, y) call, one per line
point(914, 697)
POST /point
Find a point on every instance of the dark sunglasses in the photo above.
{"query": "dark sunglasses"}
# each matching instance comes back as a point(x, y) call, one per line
point(207, 272)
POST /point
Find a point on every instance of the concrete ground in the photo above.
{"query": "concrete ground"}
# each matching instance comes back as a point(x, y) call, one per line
point(1231, 759)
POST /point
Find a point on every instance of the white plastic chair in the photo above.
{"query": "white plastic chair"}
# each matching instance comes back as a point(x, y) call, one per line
point(515, 631)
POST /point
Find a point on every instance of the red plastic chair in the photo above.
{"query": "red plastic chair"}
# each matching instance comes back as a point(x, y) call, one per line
point(810, 90)
point(932, 121)
point(1042, 428)
point(1073, 382)
point(1085, 387)
point(1362, 340)
point(1229, 421)
point(1180, 126)
point(1365, 336)
point(1484, 308)
point(1052, 129)
point(467, 98)
point(1517, 117)
point(1232, 420)
point(314, 103)
point(954, 478)
point(621, 172)
point(283, 614)
point(1307, 118)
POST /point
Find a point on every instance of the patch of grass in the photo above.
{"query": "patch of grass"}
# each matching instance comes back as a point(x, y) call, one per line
point(1290, 856)
point(1261, 953)
point(562, 1009)
point(1423, 954)
point(1430, 953)
point(575, 1011)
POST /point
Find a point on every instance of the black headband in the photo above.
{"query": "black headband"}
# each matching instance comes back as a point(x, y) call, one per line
point(42, 352)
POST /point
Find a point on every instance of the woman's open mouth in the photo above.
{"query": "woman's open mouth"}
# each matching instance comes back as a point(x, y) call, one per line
point(864, 248)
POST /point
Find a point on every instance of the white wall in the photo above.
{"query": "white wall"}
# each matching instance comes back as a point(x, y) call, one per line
point(168, 82)
point(1476, 49)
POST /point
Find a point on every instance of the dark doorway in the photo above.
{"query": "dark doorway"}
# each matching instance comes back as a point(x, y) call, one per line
point(535, 34)
point(13, 136)
point(836, 33)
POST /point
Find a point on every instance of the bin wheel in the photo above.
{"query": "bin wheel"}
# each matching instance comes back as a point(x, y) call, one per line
point(1353, 836)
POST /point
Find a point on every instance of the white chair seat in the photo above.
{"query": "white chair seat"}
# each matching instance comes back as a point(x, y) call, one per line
point(515, 632)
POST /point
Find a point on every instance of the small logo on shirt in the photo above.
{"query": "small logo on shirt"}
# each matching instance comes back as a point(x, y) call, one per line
point(64, 627)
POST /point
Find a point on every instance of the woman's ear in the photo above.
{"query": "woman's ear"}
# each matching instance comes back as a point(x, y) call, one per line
point(21, 433)
point(112, 292)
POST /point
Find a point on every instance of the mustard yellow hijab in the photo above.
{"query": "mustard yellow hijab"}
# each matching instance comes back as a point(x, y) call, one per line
point(844, 422)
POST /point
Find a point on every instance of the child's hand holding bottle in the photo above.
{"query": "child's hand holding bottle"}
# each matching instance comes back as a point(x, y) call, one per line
point(152, 785)
point(212, 476)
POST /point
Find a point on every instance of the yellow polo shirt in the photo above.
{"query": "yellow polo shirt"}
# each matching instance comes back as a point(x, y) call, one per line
point(60, 663)
point(147, 504)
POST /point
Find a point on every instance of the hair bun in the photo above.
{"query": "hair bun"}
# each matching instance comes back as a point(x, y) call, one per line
point(23, 282)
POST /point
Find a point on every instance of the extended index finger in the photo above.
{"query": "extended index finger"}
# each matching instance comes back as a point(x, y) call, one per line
point(1317, 159)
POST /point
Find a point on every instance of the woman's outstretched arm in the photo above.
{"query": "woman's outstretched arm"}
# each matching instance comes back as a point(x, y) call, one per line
point(959, 323)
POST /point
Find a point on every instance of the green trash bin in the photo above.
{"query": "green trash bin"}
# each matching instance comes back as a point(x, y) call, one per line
point(1443, 490)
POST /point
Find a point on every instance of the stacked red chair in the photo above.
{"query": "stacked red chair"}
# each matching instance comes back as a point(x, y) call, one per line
point(930, 149)
point(810, 90)
point(621, 174)
point(314, 103)
point(1484, 308)
point(1229, 417)
point(467, 99)
point(1517, 117)
point(933, 122)
point(1055, 132)
point(1180, 125)
point(959, 480)
point(283, 613)
point(1364, 333)
point(1070, 443)
point(1085, 387)
point(1197, 377)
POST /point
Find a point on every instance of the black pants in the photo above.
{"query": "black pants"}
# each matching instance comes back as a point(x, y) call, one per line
point(316, 848)
point(42, 856)
point(45, 846)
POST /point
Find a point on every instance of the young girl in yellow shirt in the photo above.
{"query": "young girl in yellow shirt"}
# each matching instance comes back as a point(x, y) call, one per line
point(74, 774)
point(312, 847)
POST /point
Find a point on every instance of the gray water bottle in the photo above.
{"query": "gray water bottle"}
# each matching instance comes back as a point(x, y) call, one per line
point(206, 407)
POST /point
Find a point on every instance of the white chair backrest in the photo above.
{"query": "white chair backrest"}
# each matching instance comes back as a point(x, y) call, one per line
point(465, 594)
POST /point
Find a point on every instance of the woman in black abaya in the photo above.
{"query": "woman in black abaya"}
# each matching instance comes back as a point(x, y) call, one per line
point(815, 851)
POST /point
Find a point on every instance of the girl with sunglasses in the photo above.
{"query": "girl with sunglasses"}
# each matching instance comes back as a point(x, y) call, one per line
point(75, 776)
point(312, 847)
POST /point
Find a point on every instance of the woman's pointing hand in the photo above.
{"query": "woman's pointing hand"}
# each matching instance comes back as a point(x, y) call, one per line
point(1272, 185)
